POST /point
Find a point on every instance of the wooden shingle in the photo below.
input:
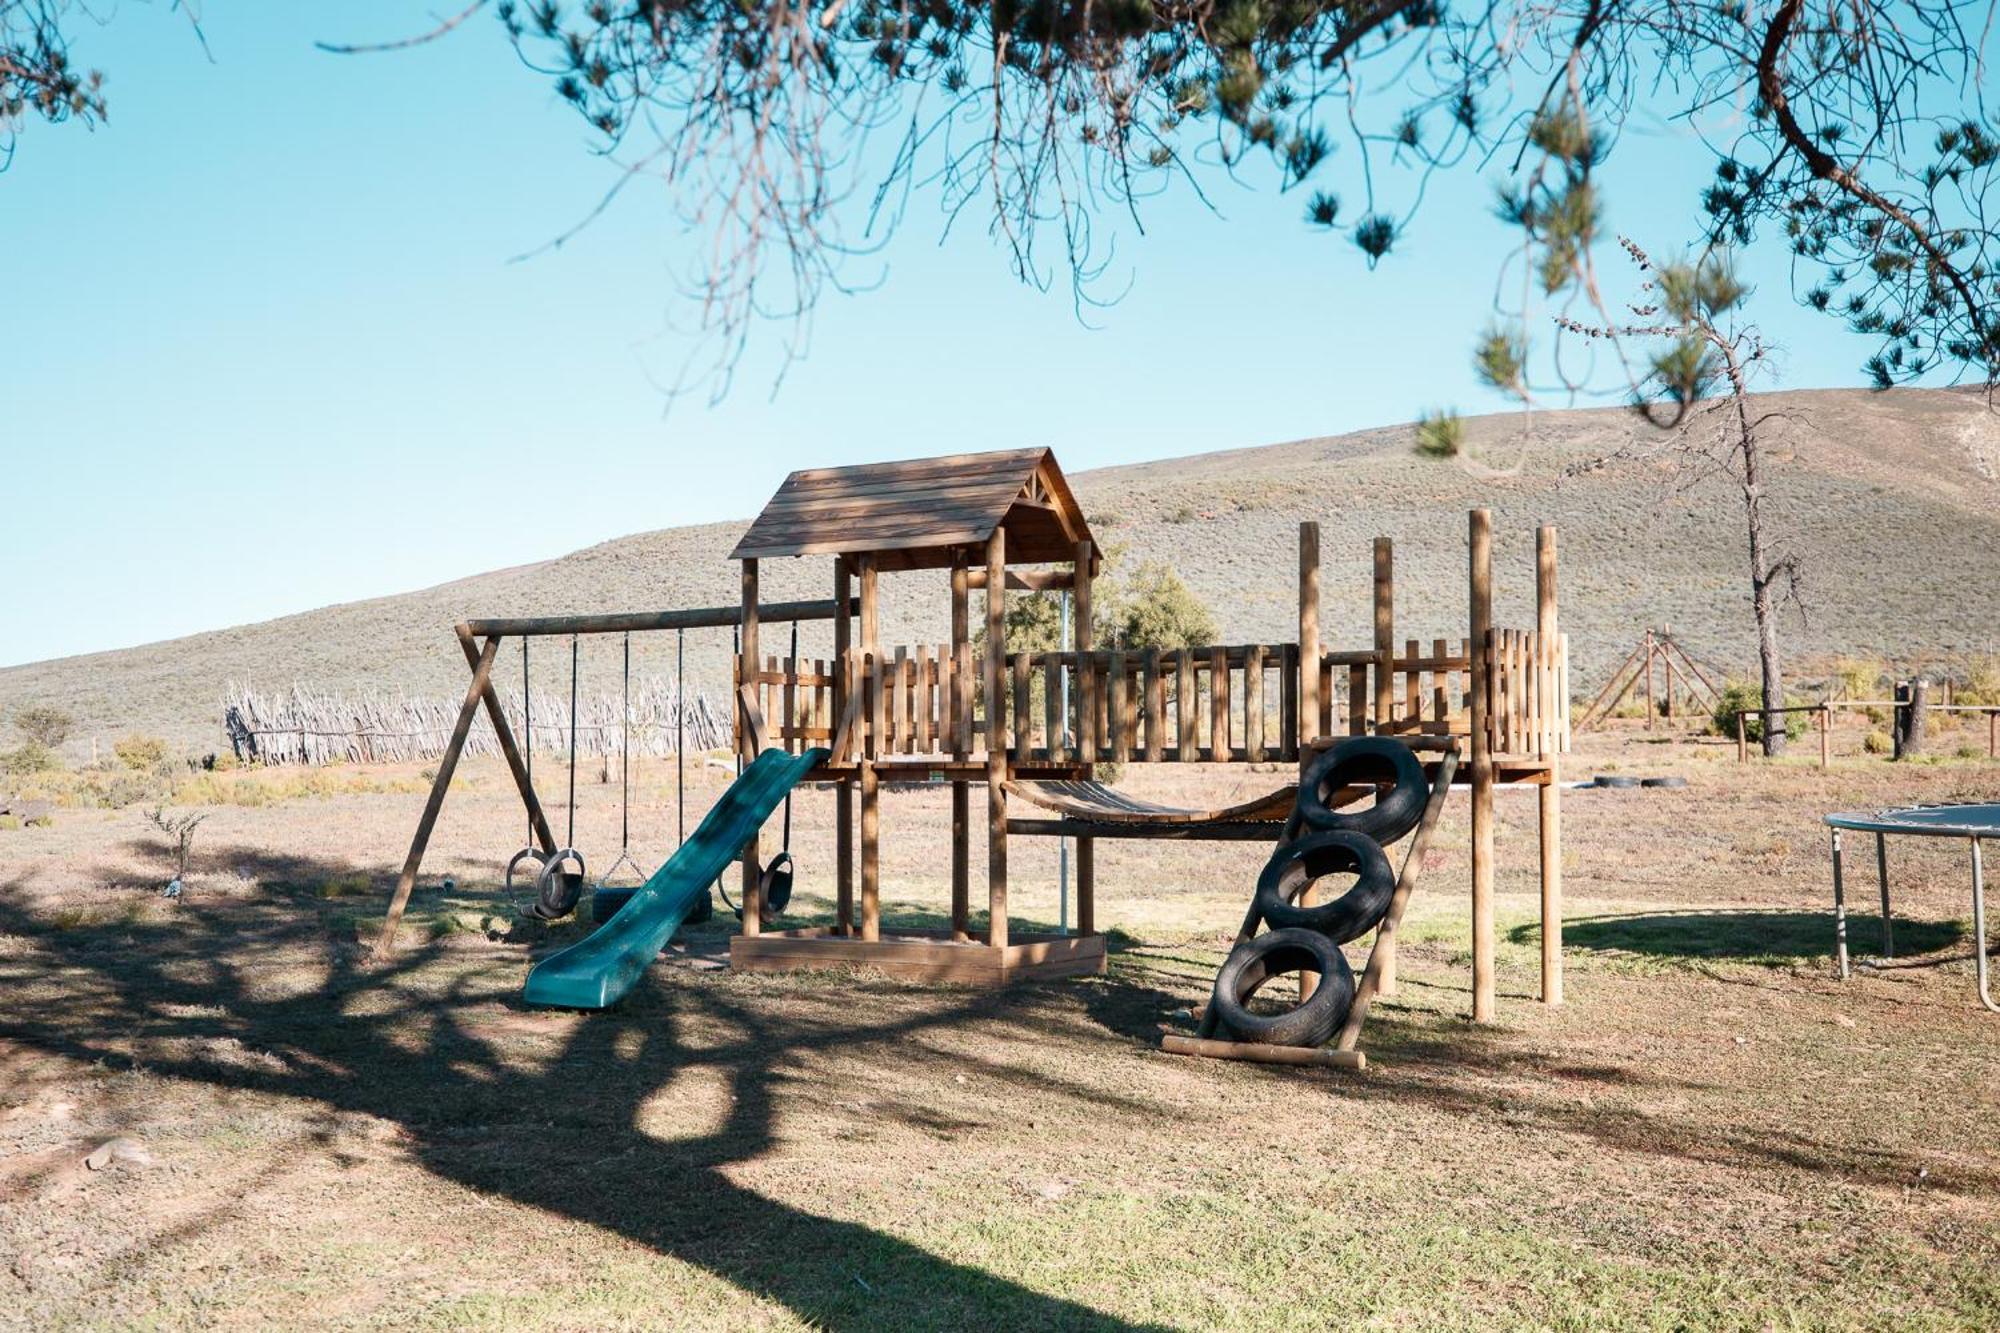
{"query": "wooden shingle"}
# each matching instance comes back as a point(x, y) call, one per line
point(913, 514)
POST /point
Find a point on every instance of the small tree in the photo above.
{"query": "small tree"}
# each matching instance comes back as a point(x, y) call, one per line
point(179, 830)
point(1155, 608)
point(1708, 437)
point(44, 724)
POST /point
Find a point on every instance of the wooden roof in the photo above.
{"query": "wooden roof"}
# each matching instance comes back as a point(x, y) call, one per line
point(915, 514)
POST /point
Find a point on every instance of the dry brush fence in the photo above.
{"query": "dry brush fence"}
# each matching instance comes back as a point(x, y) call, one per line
point(308, 726)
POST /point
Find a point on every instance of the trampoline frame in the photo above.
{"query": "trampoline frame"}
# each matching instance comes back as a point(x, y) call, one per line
point(1923, 821)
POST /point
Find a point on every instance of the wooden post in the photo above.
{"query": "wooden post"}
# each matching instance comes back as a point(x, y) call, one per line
point(843, 800)
point(996, 739)
point(1549, 794)
point(961, 821)
point(1086, 848)
point(1385, 634)
point(752, 896)
point(872, 683)
point(1650, 653)
point(1742, 740)
point(482, 675)
point(1309, 650)
point(1825, 736)
point(1480, 569)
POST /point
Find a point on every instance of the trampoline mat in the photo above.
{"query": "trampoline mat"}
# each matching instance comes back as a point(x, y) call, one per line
point(1973, 820)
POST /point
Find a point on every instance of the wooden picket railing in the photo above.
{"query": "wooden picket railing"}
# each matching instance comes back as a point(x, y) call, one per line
point(1228, 703)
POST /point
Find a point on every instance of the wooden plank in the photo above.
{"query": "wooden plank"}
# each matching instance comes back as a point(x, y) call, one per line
point(1413, 689)
point(1309, 675)
point(637, 622)
point(399, 900)
point(920, 740)
point(1156, 706)
point(749, 744)
point(1029, 580)
point(1357, 700)
point(903, 470)
point(1080, 635)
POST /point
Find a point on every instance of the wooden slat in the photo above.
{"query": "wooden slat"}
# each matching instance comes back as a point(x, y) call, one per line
point(1253, 705)
point(1053, 721)
point(1187, 741)
point(1156, 706)
point(1357, 699)
point(1124, 718)
point(1024, 720)
point(1218, 704)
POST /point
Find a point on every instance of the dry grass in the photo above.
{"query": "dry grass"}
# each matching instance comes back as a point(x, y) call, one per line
point(1714, 1132)
point(1883, 495)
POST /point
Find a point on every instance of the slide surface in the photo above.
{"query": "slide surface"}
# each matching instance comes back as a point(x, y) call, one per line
point(597, 971)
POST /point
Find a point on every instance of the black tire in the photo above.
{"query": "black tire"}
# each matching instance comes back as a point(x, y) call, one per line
point(1617, 781)
point(1314, 1020)
point(533, 857)
point(776, 879)
point(1297, 864)
point(1668, 784)
point(703, 909)
point(604, 903)
point(557, 890)
point(1382, 760)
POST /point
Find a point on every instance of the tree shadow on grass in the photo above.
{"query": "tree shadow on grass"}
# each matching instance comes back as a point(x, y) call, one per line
point(417, 1041)
point(1774, 939)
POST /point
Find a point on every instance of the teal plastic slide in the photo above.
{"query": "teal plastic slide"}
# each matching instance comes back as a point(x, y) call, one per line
point(596, 972)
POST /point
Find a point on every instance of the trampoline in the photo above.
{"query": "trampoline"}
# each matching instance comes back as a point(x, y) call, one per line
point(1973, 822)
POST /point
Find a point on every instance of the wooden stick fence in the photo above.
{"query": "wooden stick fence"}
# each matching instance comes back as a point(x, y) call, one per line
point(307, 726)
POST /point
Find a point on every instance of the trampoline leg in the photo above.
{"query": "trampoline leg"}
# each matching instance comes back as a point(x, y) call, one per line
point(1839, 912)
point(1979, 929)
point(1882, 869)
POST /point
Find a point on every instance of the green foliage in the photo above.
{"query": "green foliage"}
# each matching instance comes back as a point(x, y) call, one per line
point(1742, 694)
point(29, 758)
point(139, 753)
point(44, 724)
point(1708, 288)
point(1441, 434)
point(1501, 359)
point(1153, 607)
point(1877, 742)
point(1859, 677)
point(1982, 681)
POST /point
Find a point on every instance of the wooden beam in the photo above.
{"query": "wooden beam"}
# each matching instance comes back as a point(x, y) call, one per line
point(1549, 795)
point(752, 896)
point(635, 622)
point(1480, 590)
point(961, 814)
point(1025, 580)
point(1323, 1057)
point(497, 716)
point(1086, 850)
point(482, 675)
point(868, 569)
point(843, 797)
point(996, 739)
point(1385, 633)
point(1308, 634)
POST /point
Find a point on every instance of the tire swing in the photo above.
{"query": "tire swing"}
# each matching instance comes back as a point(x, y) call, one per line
point(1381, 761)
point(529, 854)
point(606, 898)
point(558, 888)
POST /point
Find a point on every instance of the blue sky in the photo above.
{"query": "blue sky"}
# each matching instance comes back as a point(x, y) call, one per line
point(268, 350)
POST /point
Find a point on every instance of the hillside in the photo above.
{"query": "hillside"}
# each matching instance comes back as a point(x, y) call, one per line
point(1892, 501)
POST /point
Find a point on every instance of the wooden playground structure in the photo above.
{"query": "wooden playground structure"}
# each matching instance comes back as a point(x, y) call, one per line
point(1031, 728)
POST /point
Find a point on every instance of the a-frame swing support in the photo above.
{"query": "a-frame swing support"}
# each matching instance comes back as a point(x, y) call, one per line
point(481, 693)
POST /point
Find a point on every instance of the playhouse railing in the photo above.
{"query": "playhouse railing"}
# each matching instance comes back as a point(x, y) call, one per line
point(1226, 703)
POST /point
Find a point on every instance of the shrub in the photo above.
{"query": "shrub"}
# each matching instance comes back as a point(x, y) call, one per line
point(1742, 694)
point(129, 789)
point(1440, 434)
point(30, 757)
point(1156, 609)
point(140, 753)
point(1982, 680)
point(1877, 742)
point(8, 823)
point(44, 725)
point(1967, 752)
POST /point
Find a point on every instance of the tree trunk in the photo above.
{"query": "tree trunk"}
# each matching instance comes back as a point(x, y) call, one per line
point(1762, 604)
point(1912, 699)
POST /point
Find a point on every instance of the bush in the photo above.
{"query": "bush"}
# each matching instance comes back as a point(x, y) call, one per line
point(1743, 694)
point(1441, 434)
point(130, 789)
point(44, 725)
point(1860, 677)
point(140, 753)
point(1968, 752)
point(1156, 609)
point(1982, 681)
point(31, 757)
point(1877, 742)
